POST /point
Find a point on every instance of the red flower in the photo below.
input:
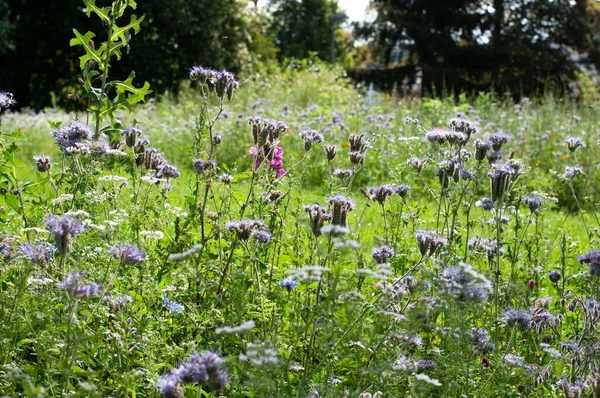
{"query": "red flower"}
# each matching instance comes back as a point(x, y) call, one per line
point(531, 284)
point(486, 362)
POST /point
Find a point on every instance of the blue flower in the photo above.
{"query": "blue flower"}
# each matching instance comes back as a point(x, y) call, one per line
point(288, 283)
point(127, 254)
point(173, 306)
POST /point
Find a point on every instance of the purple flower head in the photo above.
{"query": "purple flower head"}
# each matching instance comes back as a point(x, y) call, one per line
point(401, 190)
point(463, 125)
point(591, 258)
point(243, 228)
point(382, 254)
point(43, 163)
point(485, 204)
point(518, 319)
point(72, 136)
point(172, 306)
point(131, 136)
point(262, 236)
point(204, 369)
point(341, 206)
point(288, 283)
point(534, 204)
point(425, 364)
point(127, 254)
point(224, 83)
point(481, 149)
point(380, 194)
point(62, 226)
point(343, 173)
point(438, 136)
point(554, 276)
point(201, 74)
point(75, 286)
point(572, 171)
point(168, 170)
point(169, 386)
point(429, 242)
point(203, 165)
point(310, 138)
point(496, 140)
point(38, 253)
point(318, 215)
point(574, 142)
point(6, 100)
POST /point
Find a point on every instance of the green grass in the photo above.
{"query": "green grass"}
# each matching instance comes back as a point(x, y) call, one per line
point(356, 320)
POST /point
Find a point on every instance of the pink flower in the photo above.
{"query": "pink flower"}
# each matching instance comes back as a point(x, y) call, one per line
point(281, 172)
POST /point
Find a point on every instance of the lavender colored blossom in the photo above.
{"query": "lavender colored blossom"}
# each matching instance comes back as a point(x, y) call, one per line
point(288, 283)
point(438, 136)
point(128, 254)
point(382, 254)
point(533, 203)
point(169, 386)
point(38, 253)
point(75, 286)
point(341, 206)
point(574, 142)
point(425, 364)
point(485, 204)
point(6, 100)
point(131, 136)
point(172, 306)
point(518, 319)
point(310, 138)
point(401, 190)
point(343, 173)
point(203, 165)
point(43, 163)
point(262, 236)
point(496, 140)
point(72, 136)
point(168, 170)
point(203, 369)
point(63, 226)
point(592, 259)
point(416, 163)
point(572, 172)
point(463, 125)
point(201, 74)
point(226, 178)
point(318, 215)
point(554, 276)
point(464, 283)
point(243, 228)
point(429, 242)
point(481, 149)
point(380, 194)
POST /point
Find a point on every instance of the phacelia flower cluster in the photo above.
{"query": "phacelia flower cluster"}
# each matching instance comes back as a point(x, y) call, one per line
point(75, 286)
point(127, 254)
point(200, 369)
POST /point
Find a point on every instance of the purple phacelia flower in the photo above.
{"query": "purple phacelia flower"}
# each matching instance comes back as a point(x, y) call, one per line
point(127, 254)
point(592, 259)
point(38, 253)
point(382, 254)
point(75, 286)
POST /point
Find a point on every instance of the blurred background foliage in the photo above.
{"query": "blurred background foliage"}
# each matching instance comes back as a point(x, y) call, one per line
point(411, 47)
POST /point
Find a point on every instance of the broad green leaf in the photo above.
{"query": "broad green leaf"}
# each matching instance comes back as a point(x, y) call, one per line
point(13, 203)
point(90, 53)
point(100, 11)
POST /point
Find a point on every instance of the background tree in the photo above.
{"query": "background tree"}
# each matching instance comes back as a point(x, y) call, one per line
point(519, 45)
point(40, 66)
point(301, 27)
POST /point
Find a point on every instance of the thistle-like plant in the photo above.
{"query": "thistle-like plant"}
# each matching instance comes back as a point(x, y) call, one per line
point(105, 96)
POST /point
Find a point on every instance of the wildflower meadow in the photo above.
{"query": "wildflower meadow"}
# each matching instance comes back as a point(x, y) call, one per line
point(293, 235)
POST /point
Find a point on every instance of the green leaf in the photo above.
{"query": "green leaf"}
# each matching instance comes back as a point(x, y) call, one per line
point(90, 53)
point(100, 11)
point(119, 32)
point(13, 203)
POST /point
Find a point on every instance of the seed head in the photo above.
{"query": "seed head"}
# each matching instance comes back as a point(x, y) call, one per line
point(318, 215)
point(574, 142)
point(131, 136)
point(341, 206)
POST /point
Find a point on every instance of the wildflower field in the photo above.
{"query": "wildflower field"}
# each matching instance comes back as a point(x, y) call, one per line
point(293, 235)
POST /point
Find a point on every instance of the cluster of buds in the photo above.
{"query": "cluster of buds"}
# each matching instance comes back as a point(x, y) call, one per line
point(429, 242)
point(502, 176)
point(148, 157)
point(358, 148)
point(382, 192)
point(266, 134)
point(243, 229)
point(310, 138)
point(341, 206)
point(223, 82)
point(463, 125)
point(317, 215)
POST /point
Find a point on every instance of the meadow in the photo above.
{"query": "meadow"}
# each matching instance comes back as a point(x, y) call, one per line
point(292, 234)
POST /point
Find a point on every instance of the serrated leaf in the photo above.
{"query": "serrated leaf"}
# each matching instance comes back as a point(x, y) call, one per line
point(100, 11)
point(90, 53)
point(119, 32)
